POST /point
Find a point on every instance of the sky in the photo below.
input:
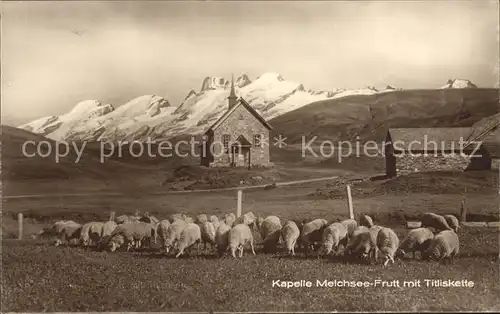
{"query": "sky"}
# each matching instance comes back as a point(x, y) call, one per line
point(55, 54)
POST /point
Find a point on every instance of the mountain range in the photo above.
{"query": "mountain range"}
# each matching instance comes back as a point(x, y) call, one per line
point(152, 116)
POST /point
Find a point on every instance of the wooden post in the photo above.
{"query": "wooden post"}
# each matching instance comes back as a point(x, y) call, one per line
point(20, 226)
point(349, 201)
point(112, 216)
point(238, 207)
point(463, 211)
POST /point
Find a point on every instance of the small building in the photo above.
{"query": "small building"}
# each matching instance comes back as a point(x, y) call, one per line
point(239, 138)
point(429, 149)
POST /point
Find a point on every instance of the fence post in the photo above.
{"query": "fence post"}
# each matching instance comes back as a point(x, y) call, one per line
point(20, 226)
point(463, 211)
point(238, 207)
point(112, 216)
point(349, 201)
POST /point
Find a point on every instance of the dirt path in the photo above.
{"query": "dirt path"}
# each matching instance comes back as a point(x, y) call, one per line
point(260, 186)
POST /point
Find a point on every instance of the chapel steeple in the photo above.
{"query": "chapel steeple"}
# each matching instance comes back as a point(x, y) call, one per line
point(232, 98)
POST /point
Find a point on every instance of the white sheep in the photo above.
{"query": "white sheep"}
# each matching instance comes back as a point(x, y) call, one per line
point(444, 246)
point(361, 243)
point(248, 219)
point(417, 239)
point(387, 244)
point(435, 221)
point(69, 231)
point(207, 234)
point(333, 235)
point(270, 229)
point(238, 237)
point(190, 235)
point(365, 220)
point(312, 233)
point(351, 225)
point(91, 233)
point(200, 219)
point(229, 219)
point(290, 233)
point(162, 231)
point(173, 234)
point(452, 222)
point(215, 221)
point(107, 229)
point(222, 237)
point(130, 233)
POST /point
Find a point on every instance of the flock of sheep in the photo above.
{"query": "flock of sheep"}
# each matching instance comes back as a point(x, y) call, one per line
point(436, 239)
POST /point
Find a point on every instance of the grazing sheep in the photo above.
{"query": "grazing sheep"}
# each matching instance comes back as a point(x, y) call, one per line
point(107, 229)
point(207, 233)
point(215, 221)
point(190, 235)
point(130, 233)
point(417, 239)
point(162, 231)
point(333, 235)
point(290, 233)
point(91, 233)
point(248, 219)
point(312, 233)
point(55, 231)
point(435, 221)
point(222, 237)
point(365, 220)
point(270, 229)
point(126, 218)
point(387, 244)
point(202, 218)
point(452, 222)
point(444, 246)
point(69, 231)
point(351, 225)
point(238, 237)
point(361, 243)
point(173, 234)
point(374, 232)
point(229, 219)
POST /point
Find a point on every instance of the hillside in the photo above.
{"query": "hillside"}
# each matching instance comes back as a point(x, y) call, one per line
point(369, 116)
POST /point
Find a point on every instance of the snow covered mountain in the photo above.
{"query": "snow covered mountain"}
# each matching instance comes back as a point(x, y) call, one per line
point(458, 83)
point(154, 117)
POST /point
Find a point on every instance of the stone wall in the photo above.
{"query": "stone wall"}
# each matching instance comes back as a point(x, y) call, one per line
point(408, 163)
point(242, 122)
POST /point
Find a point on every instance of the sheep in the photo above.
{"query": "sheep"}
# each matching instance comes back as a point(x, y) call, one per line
point(365, 220)
point(452, 222)
point(435, 221)
point(290, 233)
point(129, 233)
point(248, 219)
point(387, 244)
point(190, 235)
point(417, 240)
point(162, 231)
point(333, 235)
point(200, 219)
point(189, 220)
point(239, 236)
point(444, 246)
point(229, 219)
point(222, 237)
point(215, 221)
point(91, 233)
point(69, 231)
point(173, 234)
point(56, 230)
point(126, 218)
point(312, 233)
point(360, 242)
point(270, 229)
point(107, 229)
point(175, 217)
point(351, 225)
point(207, 233)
